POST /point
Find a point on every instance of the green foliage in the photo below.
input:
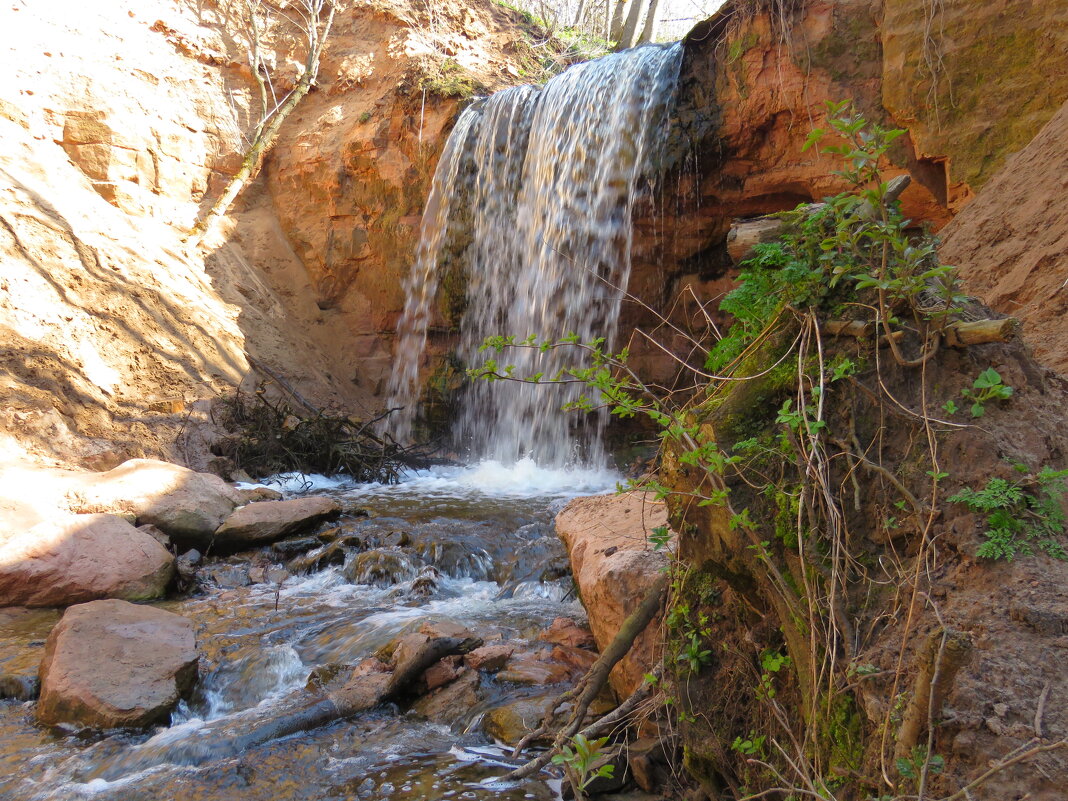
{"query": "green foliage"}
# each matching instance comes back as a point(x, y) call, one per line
point(988, 386)
point(659, 537)
point(774, 276)
point(752, 745)
point(771, 662)
point(448, 79)
point(911, 767)
point(1019, 521)
point(365, 117)
point(585, 760)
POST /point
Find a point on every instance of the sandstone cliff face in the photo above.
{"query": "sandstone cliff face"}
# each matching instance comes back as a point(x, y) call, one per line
point(119, 124)
point(1011, 243)
point(751, 89)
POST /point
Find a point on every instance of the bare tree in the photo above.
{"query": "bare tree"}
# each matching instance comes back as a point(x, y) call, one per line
point(310, 21)
point(649, 31)
point(631, 29)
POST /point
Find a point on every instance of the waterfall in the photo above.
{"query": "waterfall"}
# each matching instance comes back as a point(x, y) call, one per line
point(534, 195)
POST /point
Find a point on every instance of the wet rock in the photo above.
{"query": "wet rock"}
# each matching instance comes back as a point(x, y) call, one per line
point(187, 505)
point(534, 670)
point(113, 663)
point(541, 559)
point(451, 704)
point(287, 549)
point(225, 576)
point(76, 558)
point(444, 627)
point(323, 677)
point(510, 723)
point(256, 493)
point(457, 559)
point(578, 659)
point(565, 631)
point(267, 521)
point(267, 574)
point(24, 686)
point(489, 658)
point(382, 568)
point(333, 554)
point(426, 583)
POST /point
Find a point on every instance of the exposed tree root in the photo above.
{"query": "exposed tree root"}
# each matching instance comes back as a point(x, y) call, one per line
point(594, 680)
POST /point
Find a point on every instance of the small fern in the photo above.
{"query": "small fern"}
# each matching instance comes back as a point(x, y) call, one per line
point(1017, 521)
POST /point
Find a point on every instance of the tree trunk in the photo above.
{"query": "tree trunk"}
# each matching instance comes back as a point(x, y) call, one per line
point(649, 31)
point(630, 30)
point(615, 32)
point(579, 12)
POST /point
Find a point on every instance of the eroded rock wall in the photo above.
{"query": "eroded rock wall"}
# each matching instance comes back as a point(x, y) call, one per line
point(972, 84)
point(119, 125)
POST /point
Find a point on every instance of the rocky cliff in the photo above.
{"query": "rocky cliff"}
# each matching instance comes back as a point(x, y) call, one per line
point(120, 124)
point(972, 85)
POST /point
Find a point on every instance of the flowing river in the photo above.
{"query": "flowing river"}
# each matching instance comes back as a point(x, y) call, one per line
point(471, 545)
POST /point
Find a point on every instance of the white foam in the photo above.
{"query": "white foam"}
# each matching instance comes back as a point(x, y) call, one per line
point(524, 479)
point(306, 482)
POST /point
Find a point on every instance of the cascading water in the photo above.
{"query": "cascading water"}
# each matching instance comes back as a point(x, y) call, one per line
point(535, 192)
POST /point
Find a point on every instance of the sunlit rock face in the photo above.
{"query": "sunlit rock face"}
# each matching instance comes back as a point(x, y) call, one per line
point(750, 91)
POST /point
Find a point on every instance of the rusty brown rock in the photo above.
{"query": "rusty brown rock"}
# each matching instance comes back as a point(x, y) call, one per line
point(565, 631)
point(113, 663)
point(534, 669)
point(75, 558)
point(489, 658)
point(266, 521)
point(614, 566)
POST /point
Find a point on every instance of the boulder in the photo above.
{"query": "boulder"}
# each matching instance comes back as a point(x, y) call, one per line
point(186, 505)
point(266, 521)
point(75, 558)
point(113, 663)
point(565, 631)
point(614, 566)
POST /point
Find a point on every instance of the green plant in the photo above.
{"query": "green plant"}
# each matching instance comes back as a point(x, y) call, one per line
point(988, 386)
point(365, 117)
point(660, 537)
point(912, 766)
point(751, 745)
point(448, 79)
point(771, 662)
point(1019, 521)
point(584, 761)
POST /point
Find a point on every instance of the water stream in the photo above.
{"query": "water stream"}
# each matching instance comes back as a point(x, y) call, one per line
point(485, 529)
point(532, 203)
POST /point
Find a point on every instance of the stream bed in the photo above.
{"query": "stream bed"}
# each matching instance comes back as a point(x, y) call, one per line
point(473, 546)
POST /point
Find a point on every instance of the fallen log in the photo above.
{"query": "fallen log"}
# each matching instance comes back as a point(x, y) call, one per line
point(978, 332)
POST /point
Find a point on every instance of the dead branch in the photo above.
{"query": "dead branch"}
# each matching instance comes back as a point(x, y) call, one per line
point(597, 676)
point(314, 27)
point(943, 656)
